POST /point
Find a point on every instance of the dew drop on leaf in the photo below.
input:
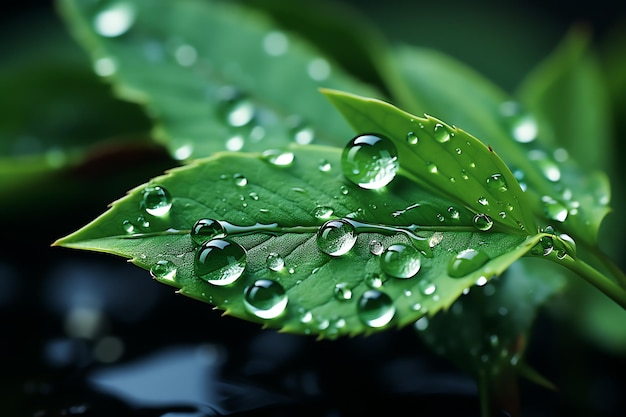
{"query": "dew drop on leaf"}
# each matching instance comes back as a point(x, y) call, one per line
point(156, 201)
point(324, 165)
point(375, 308)
point(220, 261)
point(206, 229)
point(266, 299)
point(343, 291)
point(441, 133)
point(373, 280)
point(421, 324)
point(240, 180)
point(466, 262)
point(400, 261)
point(553, 209)
point(376, 247)
point(412, 138)
point(496, 182)
point(300, 132)
point(323, 212)
point(275, 262)
point(426, 287)
point(336, 237)
point(278, 157)
point(128, 226)
point(482, 222)
point(115, 20)
point(370, 161)
point(164, 270)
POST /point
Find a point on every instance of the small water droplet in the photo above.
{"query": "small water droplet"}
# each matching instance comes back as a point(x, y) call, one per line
point(266, 299)
point(432, 168)
point(496, 182)
point(412, 138)
point(336, 237)
point(324, 165)
point(400, 261)
point(553, 209)
point(481, 281)
point(441, 133)
point(220, 261)
point(373, 280)
point(206, 229)
point(237, 109)
point(524, 128)
point(454, 213)
point(421, 324)
point(375, 308)
point(301, 132)
point(235, 143)
point(164, 270)
point(343, 292)
point(275, 43)
point(547, 166)
point(275, 262)
point(128, 226)
point(426, 287)
point(240, 180)
point(483, 201)
point(370, 161)
point(376, 247)
point(114, 20)
point(466, 262)
point(185, 55)
point(254, 196)
point(323, 212)
point(279, 157)
point(482, 222)
point(156, 201)
point(343, 190)
point(318, 69)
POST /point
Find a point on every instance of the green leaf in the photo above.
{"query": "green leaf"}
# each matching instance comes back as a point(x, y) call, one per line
point(213, 75)
point(271, 205)
point(445, 160)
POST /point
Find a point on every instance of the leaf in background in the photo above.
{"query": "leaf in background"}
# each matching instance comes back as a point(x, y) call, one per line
point(407, 260)
point(445, 160)
point(563, 195)
point(213, 75)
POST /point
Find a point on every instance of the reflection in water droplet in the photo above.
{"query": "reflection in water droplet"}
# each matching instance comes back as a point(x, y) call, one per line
point(115, 20)
point(482, 222)
point(266, 299)
point(164, 270)
point(343, 291)
point(496, 182)
point(466, 262)
point(375, 308)
point(279, 157)
point(240, 180)
point(376, 247)
point(323, 212)
point(400, 261)
point(220, 261)
point(336, 237)
point(412, 138)
point(237, 109)
point(275, 262)
point(156, 201)
point(441, 133)
point(483, 201)
point(426, 287)
point(275, 43)
point(432, 168)
point(128, 226)
point(324, 165)
point(373, 280)
point(370, 161)
point(206, 229)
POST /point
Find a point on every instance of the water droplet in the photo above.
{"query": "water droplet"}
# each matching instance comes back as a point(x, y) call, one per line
point(115, 20)
point(421, 324)
point(336, 237)
point(483, 201)
point(524, 128)
point(301, 132)
point(441, 133)
point(254, 196)
point(376, 247)
point(343, 292)
point(432, 168)
point(164, 270)
point(128, 226)
point(237, 109)
point(318, 69)
point(454, 213)
point(412, 138)
point(466, 262)
point(496, 182)
point(266, 299)
point(156, 201)
point(323, 212)
point(240, 180)
point(553, 209)
point(482, 222)
point(220, 261)
point(105, 66)
point(324, 165)
point(375, 308)
point(275, 43)
point(185, 55)
point(206, 229)
point(548, 167)
point(373, 280)
point(481, 281)
point(275, 262)
point(344, 190)
point(279, 157)
point(370, 161)
point(426, 287)
point(400, 261)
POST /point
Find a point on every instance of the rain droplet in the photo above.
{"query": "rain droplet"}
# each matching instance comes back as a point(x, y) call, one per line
point(454, 213)
point(376, 247)
point(164, 270)
point(323, 212)
point(441, 133)
point(496, 182)
point(553, 209)
point(426, 287)
point(370, 161)
point(301, 132)
point(375, 308)
point(185, 55)
point(412, 138)
point(266, 299)
point(432, 168)
point(324, 165)
point(343, 292)
point(483, 201)
point(279, 157)
point(400, 261)
point(220, 261)
point(206, 229)
point(482, 222)
point(275, 262)
point(115, 20)
point(128, 226)
point(336, 237)
point(373, 280)
point(240, 180)
point(156, 201)
point(466, 262)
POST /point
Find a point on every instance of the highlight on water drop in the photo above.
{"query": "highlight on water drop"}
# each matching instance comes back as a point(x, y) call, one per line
point(400, 261)
point(466, 262)
point(375, 308)
point(482, 222)
point(156, 201)
point(206, 229)
point(220, 261)
point(370, 161)
point(266, 299)
point(336, 237)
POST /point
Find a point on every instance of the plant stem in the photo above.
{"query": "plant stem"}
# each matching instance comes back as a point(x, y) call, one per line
point(595, 278)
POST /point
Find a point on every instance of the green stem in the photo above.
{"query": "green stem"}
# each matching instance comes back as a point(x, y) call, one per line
point(595, 278)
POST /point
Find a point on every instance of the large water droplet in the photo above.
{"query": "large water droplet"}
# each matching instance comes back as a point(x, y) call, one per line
point(275, 262)
point(336, 237)
point(553, 209)
point(547, 166)
point(206, 229)
point(441, 133)
point(400, 261)
point(279, 157)
point(266, 299)
point(156, 201)
point(220, 261)
point(375, 308)
point(496, 182)
point(164, 270)
point(482, 222)
point(115, 20)
point(466, 262)
point(370, 161)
